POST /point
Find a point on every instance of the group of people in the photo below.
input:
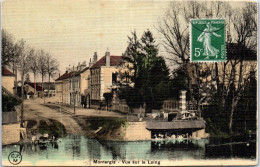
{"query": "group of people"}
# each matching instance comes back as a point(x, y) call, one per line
point(172, 136)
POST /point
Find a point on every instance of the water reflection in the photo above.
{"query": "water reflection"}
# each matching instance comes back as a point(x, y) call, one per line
point(78, 147)
point(231, 149)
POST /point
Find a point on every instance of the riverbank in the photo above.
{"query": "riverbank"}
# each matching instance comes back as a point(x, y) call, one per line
point(35, 129)
point(102, 125)
point(103, 128)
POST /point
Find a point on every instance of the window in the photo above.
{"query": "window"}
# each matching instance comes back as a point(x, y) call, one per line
point(114, 78)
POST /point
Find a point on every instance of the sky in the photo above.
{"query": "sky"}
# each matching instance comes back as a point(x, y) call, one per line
point(72, 30)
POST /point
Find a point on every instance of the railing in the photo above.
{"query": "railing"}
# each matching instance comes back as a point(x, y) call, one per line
point(121, 108)
point(171, 105)
point(9, 117)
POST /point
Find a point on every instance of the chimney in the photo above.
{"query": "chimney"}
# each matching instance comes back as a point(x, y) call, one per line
point(107, 58)
point(90, 63)
point(67, 69)
point(83, 65)
point(95, 57)
point(78, 66)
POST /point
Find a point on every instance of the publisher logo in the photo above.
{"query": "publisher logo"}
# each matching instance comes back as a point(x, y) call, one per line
point(15, 158)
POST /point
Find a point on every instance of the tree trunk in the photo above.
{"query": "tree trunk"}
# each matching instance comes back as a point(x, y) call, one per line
point(22, 75)
point(245, 118)
point(233, 107)
point(43, 91)
point(218, 83)
point(49, 85)
point(222, 96)
point(222, 105)
point(199, 90)
point(15, 84)
point(34, 75)
point(42, 87)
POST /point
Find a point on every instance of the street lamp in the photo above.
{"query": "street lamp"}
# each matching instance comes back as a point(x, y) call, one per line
point(74, 95)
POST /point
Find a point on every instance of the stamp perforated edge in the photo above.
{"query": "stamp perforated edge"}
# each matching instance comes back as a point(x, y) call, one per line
point(207, 61)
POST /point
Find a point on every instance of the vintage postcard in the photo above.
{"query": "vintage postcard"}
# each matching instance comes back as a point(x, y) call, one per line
point(129, 83)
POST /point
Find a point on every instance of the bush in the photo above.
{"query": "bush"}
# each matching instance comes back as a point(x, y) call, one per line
point(107, 123)
point(8, 103)
point(53, 128)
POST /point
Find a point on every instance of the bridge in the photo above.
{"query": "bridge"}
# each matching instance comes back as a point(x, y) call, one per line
point(177, 129)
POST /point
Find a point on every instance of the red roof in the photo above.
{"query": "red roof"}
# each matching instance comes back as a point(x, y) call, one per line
point(6, 72)
point(38, 88)
point(65, 76)
point(114, 61)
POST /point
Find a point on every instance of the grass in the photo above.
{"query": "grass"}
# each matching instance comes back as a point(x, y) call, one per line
point(107, 123)
point(31, 123)
point(53, 128)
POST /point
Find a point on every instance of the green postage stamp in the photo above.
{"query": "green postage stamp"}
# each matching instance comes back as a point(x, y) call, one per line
point(207, 40)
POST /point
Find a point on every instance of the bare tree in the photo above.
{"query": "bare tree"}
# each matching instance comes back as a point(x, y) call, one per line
point(245, 26)
point(174, 28)
point(22, 66)
point(233, 75)
point(42, 65)
point(33, 65)
point(230, 76)
point(52, 67)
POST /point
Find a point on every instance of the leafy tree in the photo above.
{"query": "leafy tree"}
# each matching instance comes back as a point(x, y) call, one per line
point(151, 74)
point(7, 48)
point(134, 63)
point(155, 75)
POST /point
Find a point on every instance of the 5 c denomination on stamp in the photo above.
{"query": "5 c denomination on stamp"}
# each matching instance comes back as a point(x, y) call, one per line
point(207, 40)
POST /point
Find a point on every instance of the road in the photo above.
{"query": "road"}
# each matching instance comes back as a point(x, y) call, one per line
point(36, 111)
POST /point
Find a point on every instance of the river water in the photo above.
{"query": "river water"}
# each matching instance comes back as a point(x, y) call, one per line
point(79, 147)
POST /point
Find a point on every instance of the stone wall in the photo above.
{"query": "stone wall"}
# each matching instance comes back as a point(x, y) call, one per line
point(9, 117)
point(137, 131)
point(200, 134)
point(10, 133)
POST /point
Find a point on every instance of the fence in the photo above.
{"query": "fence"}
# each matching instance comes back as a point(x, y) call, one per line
point(9, 117)
point(121, 106)
point(171, 105)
